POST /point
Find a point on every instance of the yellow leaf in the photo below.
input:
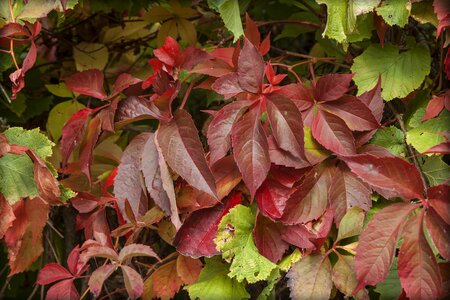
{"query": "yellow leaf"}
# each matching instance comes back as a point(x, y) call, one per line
point(90, 56)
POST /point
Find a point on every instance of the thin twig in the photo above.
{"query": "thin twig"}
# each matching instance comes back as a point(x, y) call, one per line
point(2, 291)
point(410, 150)
point(49, 223)
point(5, 93)
point(53, 249)
point(186, 95)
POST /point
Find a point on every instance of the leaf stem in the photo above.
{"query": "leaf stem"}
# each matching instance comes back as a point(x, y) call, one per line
point(188, 92)
point(289, 68)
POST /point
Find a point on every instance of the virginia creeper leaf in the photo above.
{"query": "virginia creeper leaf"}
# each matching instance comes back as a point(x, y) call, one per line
point(89, 82)
point(332, 86)
point(250, 69)
point(133, 282)
point(267, 235)
point(438, 230)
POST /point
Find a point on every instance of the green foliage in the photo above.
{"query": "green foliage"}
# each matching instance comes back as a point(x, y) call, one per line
point(390, 288)
point(399, 75)
point(428, 133)
point(32, 139)
point(59, 115)
point(395, 12)
point(235, 240)
point(435, 170)
point(229, 11)
point(392, 139)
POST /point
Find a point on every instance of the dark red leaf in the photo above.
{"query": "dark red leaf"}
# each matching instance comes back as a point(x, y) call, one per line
point(52, 272)
point(252, 31)
point(251, 150)
point(442, 148)
point(63, 290)
point(272, 197)
point(356, 115)
point(283, 158)
point(417, 267)
point(227, 85)
point(196, 237)
point(347, 191)
point(219, 130)
point(251, 67)
point(183, 152)
point(193, 56)
point(214, 68)
point(286, 123)
point(377, 243)
point(439, 232)
point(123, 82)
point(374, 101)
point(75, 265)
point(84, 202)
point(381, 27)
point(133, 282)
point(267, 236)
point(309, 236)
point(332, 133)
point(310, 200)
point(439, 198)
point(299, 94)
point(332, 86)
point(73, 132)
point(87, 148)
point(391, 176)
point(6, 216)
point(89, 82)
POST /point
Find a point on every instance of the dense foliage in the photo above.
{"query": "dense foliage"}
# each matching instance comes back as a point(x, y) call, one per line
point(224, 149)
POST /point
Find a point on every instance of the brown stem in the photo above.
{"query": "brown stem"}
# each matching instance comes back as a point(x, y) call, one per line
point(410, 150)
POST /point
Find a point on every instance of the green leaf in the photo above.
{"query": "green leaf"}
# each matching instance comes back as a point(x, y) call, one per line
point(59, 90)
point(287, 261)
point(401, 73)
point(390, 138)
point(395, 12)
point(229, 11)
point(90, 56)
point(66, 193)
point(429, 133)
point(214, 283)
point(363, 29)
point(390, 288)
point(424, 13)
point(17, 177)
point(32, 139)
point(436, 170)
point(351, 224)
point(59, 115)
point(235, 240)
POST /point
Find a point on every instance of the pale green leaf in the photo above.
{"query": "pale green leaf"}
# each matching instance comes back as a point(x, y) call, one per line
point(390, 138)
point(390, 288)
point(429, 133)
point(287, 261)
point(344, 277)
point(310, 278)
point(59, 90)
point(59, 115)
point(229, 11)
point(214, 283)
point(17, 177)
point(363, 29)
point(39, 9)
point(395, 12)
point(351, 224)
point(90, 56)
point(32, 139)
point(337, 19)
point(235, 241)
point(359, 7)
point(436, 170)
point(401, 73)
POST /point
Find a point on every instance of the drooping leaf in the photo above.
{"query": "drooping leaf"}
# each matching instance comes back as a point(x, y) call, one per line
point(195, 237)
point(267, 236)
point(214, 283)
point(250, 150)
point(377, 244)
point(183, 152)
point(417, 266)
point(392, 176)
point(310, 278)
point(398, 76)
point(235, 241)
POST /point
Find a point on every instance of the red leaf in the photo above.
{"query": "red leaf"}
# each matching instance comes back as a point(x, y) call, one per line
point(84, 202)
point(166, 282)
point(265, 46)
point(417, 266)
point(310, 200)
point(377, 244)
point(99, 251)
point(442, 148)
point(283, 158)
point(193, 56)
point(6, 216)
point(374, 101)
point(73, 132)
point(267, 236)
point(63, 290)
point(251, 150)
point(332, 86)
point(439, 198)
point(99, 276)
point(438, 230)
point(434, 107)
point(332, 133)
point(286, 123)
point(214, 68)
point(219, 130)
point(87, 148)
point(297, 93)
point(133, 250)
point(227, 85)
point(355, 114)
point(133, 282)
point(381, 27)
point(127, 184)
point(196, 237)
point(392, 176)
point(183, 152)
point(272, 197)
point(52, 272)
point(347, 191)
point(75, 265)
point(188, 269)
point(252, 31)
point(250, 68)
point(123, 82)
point(89, 82)
point(169, 53)
point(309, 236)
